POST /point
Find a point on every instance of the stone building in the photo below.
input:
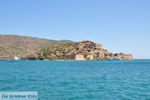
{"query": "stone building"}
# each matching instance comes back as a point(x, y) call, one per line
point(124, 56)
point(79, 57)
point(90, 57)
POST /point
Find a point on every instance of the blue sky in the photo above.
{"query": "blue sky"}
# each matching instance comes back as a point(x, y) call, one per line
point(120, 25)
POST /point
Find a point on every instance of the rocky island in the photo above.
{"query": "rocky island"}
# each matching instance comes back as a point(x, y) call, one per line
point(85, 50)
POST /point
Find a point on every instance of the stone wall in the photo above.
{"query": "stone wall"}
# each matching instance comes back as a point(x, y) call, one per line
point(124, 56)
point(127, 57)
point(79, 57)
point(90, 57)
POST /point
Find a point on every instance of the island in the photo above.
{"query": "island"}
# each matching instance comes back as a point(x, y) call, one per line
point(85, 50)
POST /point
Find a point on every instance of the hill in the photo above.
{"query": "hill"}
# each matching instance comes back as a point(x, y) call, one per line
point(13, 45)
point(85, 50)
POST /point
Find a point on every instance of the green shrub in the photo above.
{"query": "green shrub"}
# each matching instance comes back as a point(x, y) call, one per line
point(41, 57)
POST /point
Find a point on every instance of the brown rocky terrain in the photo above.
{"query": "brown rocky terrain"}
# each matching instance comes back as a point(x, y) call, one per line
point(12, 45)
point(85, 50)
point(43, 49)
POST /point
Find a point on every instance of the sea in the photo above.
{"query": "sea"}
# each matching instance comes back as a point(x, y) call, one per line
point(78, 80)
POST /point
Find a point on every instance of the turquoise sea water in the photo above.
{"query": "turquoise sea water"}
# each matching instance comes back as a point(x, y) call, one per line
point(78, 80)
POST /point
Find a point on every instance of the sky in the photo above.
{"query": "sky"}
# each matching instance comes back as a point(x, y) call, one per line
point(119, 25)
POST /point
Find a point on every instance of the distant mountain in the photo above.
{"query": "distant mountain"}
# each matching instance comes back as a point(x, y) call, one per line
point(13, 45)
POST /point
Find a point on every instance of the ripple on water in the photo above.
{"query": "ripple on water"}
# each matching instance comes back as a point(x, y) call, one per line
point(78, 80)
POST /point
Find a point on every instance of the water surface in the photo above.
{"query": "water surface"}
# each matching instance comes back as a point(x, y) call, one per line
point(78, 80)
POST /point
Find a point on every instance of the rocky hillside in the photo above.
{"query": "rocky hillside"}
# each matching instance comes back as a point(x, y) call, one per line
point(85, 50)
point(12, 45)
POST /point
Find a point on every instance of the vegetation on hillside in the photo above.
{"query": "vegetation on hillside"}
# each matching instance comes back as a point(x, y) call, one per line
point(21, 46)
